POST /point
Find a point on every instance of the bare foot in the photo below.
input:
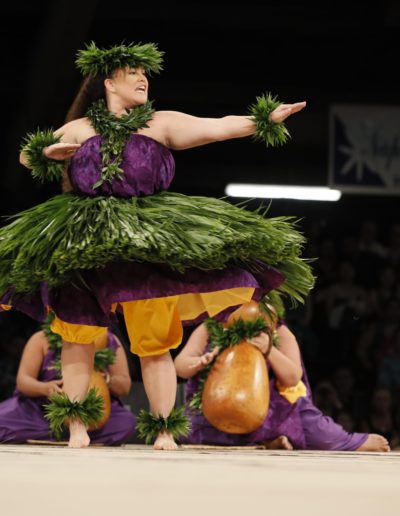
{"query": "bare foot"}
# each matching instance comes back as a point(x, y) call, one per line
point(165, 441)
point(375, 443)
point(280, 443)
point(78, 436)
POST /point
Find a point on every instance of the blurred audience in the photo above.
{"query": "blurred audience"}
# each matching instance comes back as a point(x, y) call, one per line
point(349, 327)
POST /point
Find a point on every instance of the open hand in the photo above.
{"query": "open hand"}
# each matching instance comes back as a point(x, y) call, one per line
point(206, 359)
point(52, 387)
point(61, 151)
point(280, 113)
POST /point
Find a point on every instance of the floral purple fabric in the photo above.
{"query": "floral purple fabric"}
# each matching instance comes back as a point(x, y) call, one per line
point(148, 166)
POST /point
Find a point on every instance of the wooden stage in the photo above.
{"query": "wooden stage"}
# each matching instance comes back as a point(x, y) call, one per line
point(136, 480)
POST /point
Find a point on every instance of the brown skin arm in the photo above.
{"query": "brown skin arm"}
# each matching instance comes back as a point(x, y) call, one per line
point(180, 131)
point(193, 358)
point(29, 367)
point(285, 361)
point(71, 135)
point(120, 381)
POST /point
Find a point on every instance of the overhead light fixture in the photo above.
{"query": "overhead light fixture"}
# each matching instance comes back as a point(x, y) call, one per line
point(304, 193)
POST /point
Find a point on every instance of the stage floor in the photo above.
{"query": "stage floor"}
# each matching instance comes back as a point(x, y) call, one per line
point(135, 480)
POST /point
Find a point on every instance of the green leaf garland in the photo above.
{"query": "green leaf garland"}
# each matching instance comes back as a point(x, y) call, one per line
point(61, 408)
point(149, 426)
point(94, 61)
point(115, 132)
point(271, 133)
point(43, 168)
point(69, 233)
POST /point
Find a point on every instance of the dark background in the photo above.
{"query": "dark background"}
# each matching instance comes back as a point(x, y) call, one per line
point(218, 57)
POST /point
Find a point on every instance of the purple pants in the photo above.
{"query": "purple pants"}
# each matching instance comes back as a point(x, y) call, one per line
point(323, 433)
point(21, 418)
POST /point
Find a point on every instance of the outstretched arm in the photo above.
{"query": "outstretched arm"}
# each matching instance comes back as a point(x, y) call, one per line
point(193, 357)
point(183, 131)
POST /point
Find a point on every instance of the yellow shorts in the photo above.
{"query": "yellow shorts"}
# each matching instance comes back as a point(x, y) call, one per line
point(292, 394)
point(155, 325)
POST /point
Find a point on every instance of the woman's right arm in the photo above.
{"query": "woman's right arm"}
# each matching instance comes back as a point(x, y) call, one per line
point(59, 151)
point(29, 367)
point(192, 359)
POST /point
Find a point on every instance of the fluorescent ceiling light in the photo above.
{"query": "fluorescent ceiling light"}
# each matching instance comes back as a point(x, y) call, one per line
point(306, 193)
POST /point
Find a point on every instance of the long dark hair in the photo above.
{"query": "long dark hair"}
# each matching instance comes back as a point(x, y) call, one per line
point(91, 89)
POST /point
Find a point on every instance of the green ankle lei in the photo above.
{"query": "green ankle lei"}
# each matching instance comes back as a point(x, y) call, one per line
point(149, 426)
point(115, 132)
point(60, 409)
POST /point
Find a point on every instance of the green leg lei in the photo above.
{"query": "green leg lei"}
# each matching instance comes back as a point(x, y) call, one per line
point(61, 408)
point(149, 426)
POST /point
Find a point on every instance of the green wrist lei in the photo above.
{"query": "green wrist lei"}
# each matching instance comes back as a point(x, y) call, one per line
point(149, 425)
point(271, 133)
point(44, 169)
point(61, 408)
point(115, 132)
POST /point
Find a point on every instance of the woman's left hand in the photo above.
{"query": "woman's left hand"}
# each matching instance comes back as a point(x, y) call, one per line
point(205, 359)
point(280, 113)
point(261, 341)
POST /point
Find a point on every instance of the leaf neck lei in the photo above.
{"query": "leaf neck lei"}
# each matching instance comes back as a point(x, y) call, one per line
point(115, 132)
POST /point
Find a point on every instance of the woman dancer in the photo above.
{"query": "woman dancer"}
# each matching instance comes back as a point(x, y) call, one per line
point(23, 416)
point(120, 241)
point(292, 421)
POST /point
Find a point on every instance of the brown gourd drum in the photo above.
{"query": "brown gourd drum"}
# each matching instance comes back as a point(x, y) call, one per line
point(235, 396)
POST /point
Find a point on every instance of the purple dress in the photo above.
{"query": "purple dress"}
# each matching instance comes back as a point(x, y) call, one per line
point(302, 423)
point(22, 417)
point(124, 251)
point(322, 432)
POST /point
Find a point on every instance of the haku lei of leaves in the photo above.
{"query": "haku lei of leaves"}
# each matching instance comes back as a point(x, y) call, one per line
point(149, 426)
point(222, 337)
point(94, 61)
point(115, 132)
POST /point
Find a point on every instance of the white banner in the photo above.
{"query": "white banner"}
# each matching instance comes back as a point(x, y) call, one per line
point(364, 149)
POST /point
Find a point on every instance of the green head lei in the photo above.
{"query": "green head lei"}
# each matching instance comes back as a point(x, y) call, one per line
point(93, 60)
